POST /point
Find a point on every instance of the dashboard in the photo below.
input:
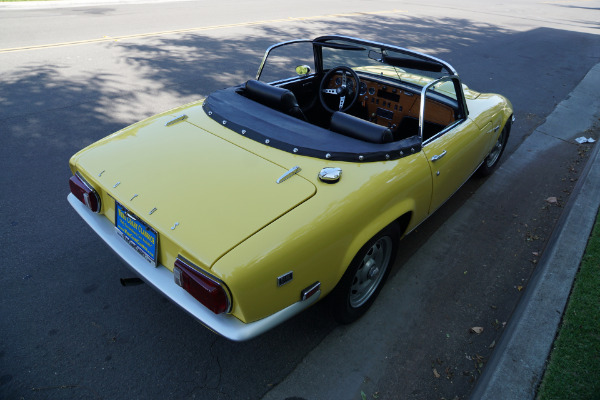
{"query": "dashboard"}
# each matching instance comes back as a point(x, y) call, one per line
point(387, 105)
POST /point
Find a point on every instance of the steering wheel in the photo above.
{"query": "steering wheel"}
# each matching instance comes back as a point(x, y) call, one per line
point(345, 92)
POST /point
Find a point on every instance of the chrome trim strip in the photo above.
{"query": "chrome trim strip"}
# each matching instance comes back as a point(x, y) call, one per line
point(161, 279)
point(84, 181)
point(446, 129)
point(459, 99)
point(91, 189)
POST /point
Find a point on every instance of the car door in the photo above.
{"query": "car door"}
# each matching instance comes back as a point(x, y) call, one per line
point(455, 152)
point(453, 157)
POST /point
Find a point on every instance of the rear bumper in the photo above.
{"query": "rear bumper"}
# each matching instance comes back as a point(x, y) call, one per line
point(161, 279)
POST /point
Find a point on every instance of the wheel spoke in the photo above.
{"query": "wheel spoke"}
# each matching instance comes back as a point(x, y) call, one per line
point(342, 100)
point(330, 91)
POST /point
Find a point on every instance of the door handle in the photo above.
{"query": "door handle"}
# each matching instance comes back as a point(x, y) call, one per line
point(438, 156)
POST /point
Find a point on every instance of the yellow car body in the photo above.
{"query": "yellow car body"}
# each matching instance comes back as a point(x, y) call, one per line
point(212, 197)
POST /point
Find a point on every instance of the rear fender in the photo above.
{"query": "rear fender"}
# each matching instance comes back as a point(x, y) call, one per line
point(402, 214)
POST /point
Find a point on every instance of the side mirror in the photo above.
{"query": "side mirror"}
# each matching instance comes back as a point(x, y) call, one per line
point(303, 70)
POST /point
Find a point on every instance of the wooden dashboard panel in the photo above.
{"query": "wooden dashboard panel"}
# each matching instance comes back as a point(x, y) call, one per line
point(386, 105)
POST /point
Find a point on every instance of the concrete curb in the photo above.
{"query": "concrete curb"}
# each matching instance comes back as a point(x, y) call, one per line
point(517, 365)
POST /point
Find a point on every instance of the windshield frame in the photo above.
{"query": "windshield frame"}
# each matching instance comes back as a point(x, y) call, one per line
point(322, 41)
point(460, 98)
point(273, 47)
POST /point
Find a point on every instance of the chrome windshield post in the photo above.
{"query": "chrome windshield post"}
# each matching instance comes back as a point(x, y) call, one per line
point(264, 60)
point(460, 98)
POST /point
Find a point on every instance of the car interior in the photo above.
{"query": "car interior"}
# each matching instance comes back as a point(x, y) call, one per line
point(374, 111)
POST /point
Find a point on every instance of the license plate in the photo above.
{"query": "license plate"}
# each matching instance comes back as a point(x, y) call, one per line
point(137, 233)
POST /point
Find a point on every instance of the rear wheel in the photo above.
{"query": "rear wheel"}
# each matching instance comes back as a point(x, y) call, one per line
point(365, 276)
point(491, 161)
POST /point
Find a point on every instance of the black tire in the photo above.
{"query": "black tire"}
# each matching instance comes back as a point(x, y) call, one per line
point(361, 283)
point(492, 160)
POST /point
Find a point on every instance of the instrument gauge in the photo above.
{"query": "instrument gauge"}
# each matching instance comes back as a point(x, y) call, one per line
point(363, 88)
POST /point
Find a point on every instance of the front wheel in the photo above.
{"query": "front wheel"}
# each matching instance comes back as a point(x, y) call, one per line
point(364, 278)
point(491, 161)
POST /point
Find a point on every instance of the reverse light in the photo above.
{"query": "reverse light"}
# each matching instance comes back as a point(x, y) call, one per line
point(84, 192)
point(209, 291)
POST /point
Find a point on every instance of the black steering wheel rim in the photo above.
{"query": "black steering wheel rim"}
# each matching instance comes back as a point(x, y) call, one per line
point(341, 92)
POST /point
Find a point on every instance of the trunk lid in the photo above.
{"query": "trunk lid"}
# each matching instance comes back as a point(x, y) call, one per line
point(216, 192)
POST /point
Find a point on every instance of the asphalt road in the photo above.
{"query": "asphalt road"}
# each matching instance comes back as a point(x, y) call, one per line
point(69, 76)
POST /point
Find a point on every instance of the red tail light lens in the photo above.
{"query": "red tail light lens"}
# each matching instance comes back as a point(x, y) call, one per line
point(207, 290)
point(84, 192)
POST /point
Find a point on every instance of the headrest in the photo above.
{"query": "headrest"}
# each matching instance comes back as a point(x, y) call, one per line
point(357, 128)
point(271, 96)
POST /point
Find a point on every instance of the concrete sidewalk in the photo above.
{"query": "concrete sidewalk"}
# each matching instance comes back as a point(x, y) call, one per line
point(517, 365)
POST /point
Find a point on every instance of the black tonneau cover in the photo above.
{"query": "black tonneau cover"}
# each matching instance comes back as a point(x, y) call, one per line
point(284, 132)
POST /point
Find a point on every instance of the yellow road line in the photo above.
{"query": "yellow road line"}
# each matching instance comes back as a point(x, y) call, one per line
point(200, 29)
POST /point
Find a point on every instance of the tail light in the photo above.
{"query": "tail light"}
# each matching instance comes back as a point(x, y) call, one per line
point(84, 192)
point(209, 291)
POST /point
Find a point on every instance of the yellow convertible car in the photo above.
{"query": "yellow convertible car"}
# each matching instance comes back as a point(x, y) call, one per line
point(249, 206)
